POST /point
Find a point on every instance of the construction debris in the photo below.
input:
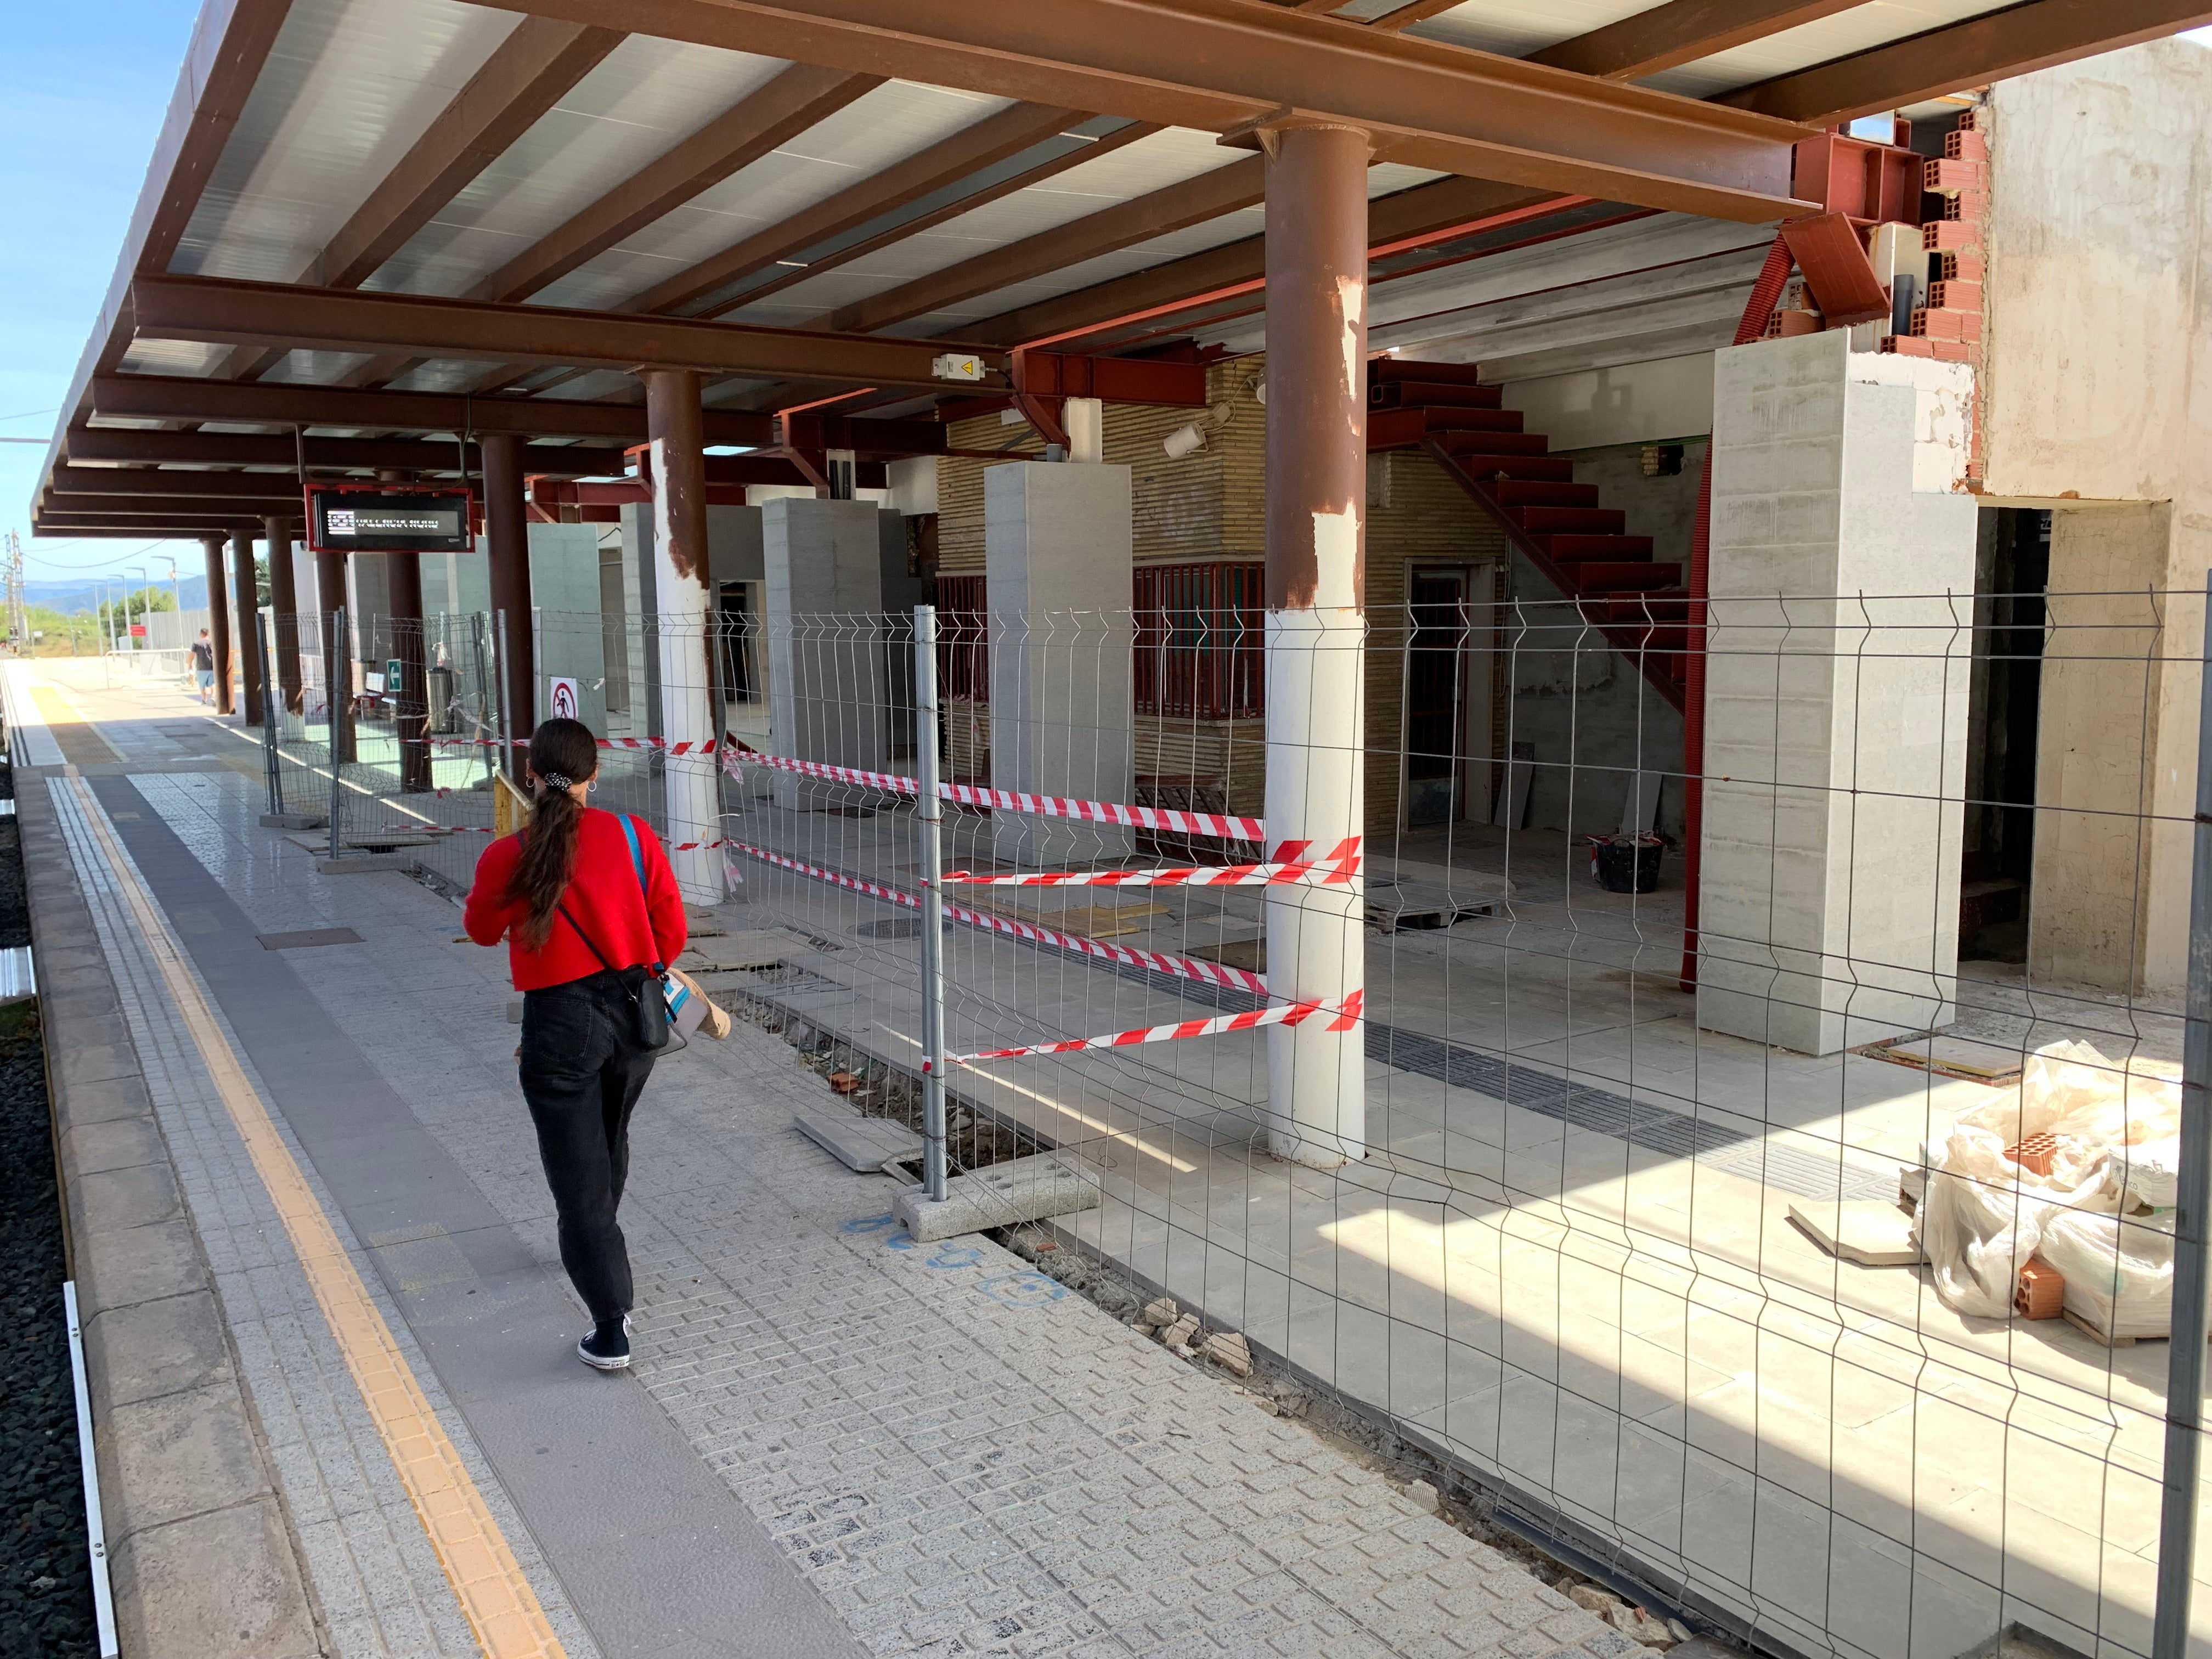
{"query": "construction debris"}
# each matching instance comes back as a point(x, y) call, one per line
point(1228, 1350)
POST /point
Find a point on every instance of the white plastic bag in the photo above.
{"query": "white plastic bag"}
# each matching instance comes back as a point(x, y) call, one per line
point(2118, 1270)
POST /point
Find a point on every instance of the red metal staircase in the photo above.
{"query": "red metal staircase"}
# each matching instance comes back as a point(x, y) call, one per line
point(1637, 603)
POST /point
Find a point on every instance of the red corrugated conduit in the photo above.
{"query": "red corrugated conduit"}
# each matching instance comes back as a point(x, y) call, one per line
point(1757, 309)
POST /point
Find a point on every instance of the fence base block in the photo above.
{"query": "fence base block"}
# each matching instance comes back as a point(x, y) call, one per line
point(293, 820)
point(864, 1144)
point(1022, 1190)
point(362, 864)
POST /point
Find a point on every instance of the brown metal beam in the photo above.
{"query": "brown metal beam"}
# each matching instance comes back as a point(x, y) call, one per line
point(266, 313)
point(2016, 41)
point(130, 482)
point(229, 46)
point(145, 445)
point(1425, 210)
point(990, 140)
point(1223, 65)
point(118, 509)
point(1209, 195)
point(1680, 31)
point(177, 398)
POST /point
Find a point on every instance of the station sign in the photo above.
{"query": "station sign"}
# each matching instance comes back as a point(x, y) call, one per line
point(390, 518)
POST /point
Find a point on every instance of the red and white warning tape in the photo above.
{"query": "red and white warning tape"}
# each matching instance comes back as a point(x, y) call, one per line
point(1171, 819)
point(1287, 1013)
point(1289, 864)
point(1211, 973)
point(707, 746)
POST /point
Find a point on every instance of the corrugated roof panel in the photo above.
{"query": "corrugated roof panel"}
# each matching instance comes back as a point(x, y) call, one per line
point(349, 87)
point(1151, 163)
point(890, 123)
point(316, 367)
point(1856, 30)
point(1515, 28)
point(644, 98)
point(173, 357)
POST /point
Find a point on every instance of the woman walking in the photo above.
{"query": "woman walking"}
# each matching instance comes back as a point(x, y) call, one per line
point(585, 910)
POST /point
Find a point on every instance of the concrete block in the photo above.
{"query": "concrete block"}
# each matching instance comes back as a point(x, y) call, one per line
point(116, 1267)
point(294, 820)
point(122, 1143)
point(136, 1195)
point(363, 864)
point(222, 1583)
point(155, 1348)
point(97, 1102)
point(182, 1454)
point(90, 1059)
point(866, 1144)
point(1022, 1189)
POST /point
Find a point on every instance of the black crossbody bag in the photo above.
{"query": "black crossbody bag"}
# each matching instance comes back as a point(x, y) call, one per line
point(651, 1012)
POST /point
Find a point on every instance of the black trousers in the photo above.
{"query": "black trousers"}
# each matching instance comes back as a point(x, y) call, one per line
point(582, 1070)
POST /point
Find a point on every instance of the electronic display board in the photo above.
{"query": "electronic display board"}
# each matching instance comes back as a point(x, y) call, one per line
point(390, 518)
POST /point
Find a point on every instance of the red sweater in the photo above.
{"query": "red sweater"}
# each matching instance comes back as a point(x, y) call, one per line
point(630, 927)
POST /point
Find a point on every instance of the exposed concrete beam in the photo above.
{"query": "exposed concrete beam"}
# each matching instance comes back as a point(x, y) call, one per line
point(327, 320)
point(1225, 189)
point(1680, 31)
point(2016, 41)
point(1223, 65)
point(523, 78)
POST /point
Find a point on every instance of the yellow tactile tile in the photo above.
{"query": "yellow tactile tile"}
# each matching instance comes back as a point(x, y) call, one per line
point(494, 1597)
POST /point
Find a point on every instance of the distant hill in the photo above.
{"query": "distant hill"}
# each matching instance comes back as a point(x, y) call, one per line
point(75, 595)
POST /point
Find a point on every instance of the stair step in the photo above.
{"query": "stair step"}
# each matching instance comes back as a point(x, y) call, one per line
point(1405, 394)
point(1603, 576)
point(1556, 469)
point(1656, 606)
point(1517, 493)
point(1401, 429)
point(1592, 520)
point(1570, 547)
point(1390, 370)
point(1497, 443)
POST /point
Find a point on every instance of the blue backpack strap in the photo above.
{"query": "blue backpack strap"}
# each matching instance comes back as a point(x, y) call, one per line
point(637, 863)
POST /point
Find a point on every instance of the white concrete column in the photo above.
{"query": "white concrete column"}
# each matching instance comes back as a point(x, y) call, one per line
point(1837, 683)
point(687, 654)
point(1086, 421)
point(1058, 551)
point(827, 667)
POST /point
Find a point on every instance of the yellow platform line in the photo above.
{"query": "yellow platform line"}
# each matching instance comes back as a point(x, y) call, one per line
point(489, 1582)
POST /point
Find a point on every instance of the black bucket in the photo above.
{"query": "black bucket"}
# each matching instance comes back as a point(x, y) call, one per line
point(1627, 867)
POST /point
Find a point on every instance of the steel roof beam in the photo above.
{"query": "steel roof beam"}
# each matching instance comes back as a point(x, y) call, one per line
point(127, 483)
point(523, 78)
point(144, 445)
point(288, 318)
point(1224, 65)
point(120, 508)
point(1680, 31)
point(2016, 41)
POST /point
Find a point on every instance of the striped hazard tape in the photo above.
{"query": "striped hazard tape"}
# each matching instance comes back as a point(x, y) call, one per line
point(1286, 1013)
point(1211, 973)
point(706, 746)
point(1289, 864)
point(1171, 819)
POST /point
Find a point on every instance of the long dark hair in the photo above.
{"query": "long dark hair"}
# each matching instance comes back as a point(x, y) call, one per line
point(562, 752)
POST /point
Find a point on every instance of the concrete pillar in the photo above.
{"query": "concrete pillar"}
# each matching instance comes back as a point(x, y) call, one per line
point(1085, 419)
point(2116, 753)
point(1316, 252)
point(218, 619)
point(506, 544)
point(285, 603)
point(1057, 554)
point(245, 606)
point(1836, 698)
point(829, 678)
point(681, 578)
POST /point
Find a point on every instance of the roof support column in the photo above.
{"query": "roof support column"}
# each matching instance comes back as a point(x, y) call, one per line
point(683, 587)
point(506, 538)
point(284, 602)
point(330, 598)
point(245, 605)
point(1316, 250)
point(218, 619)
point(411, 706)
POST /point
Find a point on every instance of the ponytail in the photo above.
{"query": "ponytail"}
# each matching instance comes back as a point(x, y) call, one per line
point(562, 752)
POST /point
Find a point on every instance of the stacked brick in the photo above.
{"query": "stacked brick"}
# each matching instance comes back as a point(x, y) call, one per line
point(1948, 325)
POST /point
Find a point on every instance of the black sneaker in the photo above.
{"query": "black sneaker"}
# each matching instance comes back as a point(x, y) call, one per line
point(607, 1347)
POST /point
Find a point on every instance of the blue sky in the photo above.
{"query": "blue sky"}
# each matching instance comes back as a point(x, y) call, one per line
point(82, 92)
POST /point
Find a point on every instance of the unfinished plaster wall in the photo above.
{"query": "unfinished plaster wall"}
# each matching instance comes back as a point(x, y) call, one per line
point(2096, 403)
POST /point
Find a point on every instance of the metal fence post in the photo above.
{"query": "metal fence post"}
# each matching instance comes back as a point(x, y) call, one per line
point(484, 692)
point(505, 744)
point(2184, 1364)
point(339, 699)
point(929, 819)
point(272, 766)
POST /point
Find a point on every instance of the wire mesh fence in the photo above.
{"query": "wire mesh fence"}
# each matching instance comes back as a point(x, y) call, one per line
point(1757, 1182)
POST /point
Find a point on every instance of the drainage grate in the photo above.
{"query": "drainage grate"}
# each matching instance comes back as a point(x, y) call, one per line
point(308, 938)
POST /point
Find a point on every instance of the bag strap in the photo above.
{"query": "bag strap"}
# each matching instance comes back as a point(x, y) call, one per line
point(586, 937)
point(637, 864)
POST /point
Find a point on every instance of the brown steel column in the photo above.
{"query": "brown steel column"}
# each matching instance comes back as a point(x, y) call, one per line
point(507, 534)
point(218, 619)
point(284, 601)
point(245, 606)
point(1316, 252)
point(410, 706)
point(683, 586)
